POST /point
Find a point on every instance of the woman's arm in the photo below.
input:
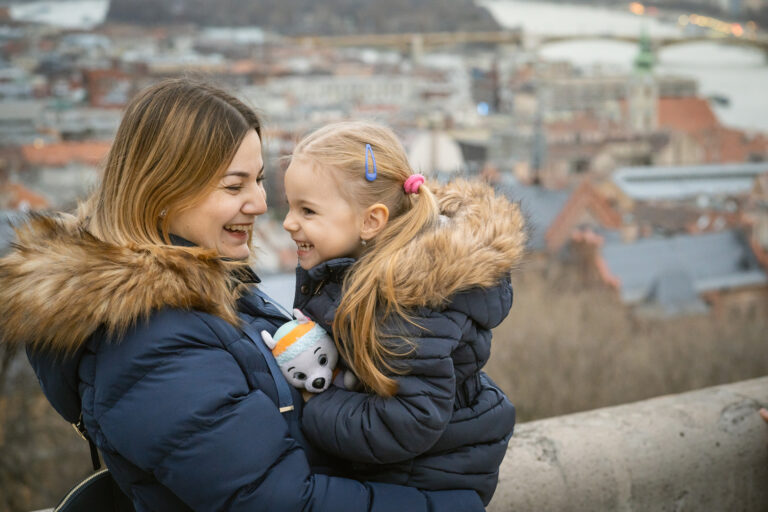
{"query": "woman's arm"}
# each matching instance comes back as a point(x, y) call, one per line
point(189, 417)
point(368, 428)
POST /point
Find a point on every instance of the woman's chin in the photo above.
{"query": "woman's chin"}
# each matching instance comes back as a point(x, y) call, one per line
point(235, 253)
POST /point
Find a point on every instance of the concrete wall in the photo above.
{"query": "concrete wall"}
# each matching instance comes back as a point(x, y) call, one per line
point(705, 450)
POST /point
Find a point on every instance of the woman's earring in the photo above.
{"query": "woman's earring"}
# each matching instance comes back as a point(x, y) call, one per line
point(163, 212)
point(363, 242)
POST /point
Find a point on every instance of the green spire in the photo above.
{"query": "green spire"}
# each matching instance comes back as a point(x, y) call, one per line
point(644, 60)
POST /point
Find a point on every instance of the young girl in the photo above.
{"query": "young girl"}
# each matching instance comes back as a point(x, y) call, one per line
point(410, 281)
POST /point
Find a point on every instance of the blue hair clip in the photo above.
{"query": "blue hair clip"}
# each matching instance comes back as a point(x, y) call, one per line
point(370, 176)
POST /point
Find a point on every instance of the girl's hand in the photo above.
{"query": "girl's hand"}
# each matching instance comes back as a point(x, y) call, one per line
point(764, 414)
point(306, 395)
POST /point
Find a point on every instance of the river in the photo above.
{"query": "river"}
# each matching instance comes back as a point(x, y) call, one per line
point(738, 73)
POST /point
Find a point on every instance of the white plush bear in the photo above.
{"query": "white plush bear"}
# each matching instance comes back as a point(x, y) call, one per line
point(306, 355)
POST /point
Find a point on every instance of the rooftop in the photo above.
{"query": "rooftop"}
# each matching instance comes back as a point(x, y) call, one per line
point(63, 153)
point(21, 198)
point(673, 271)
point(540, 206)
point(688, 114)
point(683, 182)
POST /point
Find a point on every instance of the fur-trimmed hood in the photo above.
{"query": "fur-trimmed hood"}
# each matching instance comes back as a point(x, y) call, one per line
point(59, 284)
point(481, 240)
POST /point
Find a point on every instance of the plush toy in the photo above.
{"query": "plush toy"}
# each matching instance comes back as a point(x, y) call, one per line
point(307, 356)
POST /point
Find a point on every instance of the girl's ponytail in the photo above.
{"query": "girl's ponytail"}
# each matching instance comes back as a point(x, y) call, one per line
point(370, 291)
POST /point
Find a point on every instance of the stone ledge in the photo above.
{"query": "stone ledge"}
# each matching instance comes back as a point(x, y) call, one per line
point(701, 450)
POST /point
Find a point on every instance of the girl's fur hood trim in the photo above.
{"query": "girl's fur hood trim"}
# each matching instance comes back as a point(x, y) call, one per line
point(480, 240)
point(60, 283)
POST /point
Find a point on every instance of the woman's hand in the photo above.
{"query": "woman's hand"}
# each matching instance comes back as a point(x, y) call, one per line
point(306, 395)
point(764, 414)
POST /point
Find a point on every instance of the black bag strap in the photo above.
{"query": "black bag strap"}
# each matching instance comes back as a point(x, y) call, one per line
point(82, 432)
point(99, 491)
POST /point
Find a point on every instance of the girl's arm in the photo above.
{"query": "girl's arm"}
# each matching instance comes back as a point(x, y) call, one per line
point(367, 428)
point(190, 418)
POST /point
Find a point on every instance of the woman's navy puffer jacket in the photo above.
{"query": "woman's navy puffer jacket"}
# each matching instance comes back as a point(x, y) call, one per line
point(181, 404)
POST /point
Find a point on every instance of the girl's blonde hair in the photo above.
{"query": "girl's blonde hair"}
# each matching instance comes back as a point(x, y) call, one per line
point(368, 295)
point(174, 141)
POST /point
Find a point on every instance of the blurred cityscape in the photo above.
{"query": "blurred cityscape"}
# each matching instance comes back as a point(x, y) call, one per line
point(625, 170)
point(633, 134)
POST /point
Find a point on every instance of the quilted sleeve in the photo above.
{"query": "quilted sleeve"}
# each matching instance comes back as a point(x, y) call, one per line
point(368, 428)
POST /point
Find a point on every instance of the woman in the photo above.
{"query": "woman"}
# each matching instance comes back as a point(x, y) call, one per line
point(139, 316)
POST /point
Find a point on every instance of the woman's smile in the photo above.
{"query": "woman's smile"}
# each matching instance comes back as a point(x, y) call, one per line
point(239, 232)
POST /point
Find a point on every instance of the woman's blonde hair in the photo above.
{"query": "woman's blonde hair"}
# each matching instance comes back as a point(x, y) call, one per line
point(175, 139)
point(368, 295)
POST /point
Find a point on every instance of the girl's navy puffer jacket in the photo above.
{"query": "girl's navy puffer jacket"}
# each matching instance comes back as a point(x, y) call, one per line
point(448, 425)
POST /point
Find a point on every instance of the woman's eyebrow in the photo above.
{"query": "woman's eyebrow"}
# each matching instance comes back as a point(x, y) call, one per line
point(243, 174)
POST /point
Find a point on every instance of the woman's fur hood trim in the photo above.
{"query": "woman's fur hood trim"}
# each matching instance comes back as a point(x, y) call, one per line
point(59, 284)
point(480, 240)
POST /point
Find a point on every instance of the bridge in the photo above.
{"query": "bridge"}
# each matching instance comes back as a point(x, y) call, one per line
point(410, 40)
point(656, 43)
point(413, 41)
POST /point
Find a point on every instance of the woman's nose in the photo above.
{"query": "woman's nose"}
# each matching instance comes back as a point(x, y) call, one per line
point(256, 203)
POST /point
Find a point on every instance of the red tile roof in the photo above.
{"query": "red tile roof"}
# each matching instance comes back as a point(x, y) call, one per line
point(738, 146)
point(695, 117)
point(63, 153)
point(587, 201)
point(686, 114)
point(729, 145)
point(21, 198)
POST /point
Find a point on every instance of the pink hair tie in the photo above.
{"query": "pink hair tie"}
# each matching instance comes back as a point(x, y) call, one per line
point(413, 183)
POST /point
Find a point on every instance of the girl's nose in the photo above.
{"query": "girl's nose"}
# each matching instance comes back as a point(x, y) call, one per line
point(288, 223)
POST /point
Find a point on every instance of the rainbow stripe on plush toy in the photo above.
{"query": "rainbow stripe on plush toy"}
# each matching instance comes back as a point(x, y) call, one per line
point(295, 337)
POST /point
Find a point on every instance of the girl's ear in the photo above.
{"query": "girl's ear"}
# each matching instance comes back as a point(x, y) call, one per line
point(375, 218)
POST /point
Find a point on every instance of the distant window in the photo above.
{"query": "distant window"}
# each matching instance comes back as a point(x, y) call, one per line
point(745, 263)
point(640, 160)
point(580, 166)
